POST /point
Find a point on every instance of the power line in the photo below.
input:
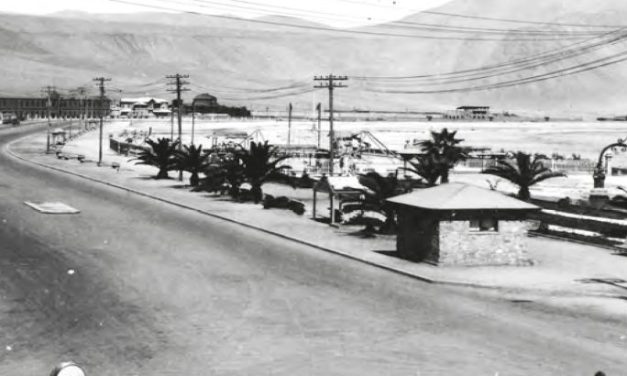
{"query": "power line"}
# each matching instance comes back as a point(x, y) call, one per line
point(407, 25)
point(484, 18)
point(285, 95)
point(541, 59)
point(333, 30)
point(580, 68)
point(237, 90)
point(395, 24)
point(280, 93)
point(509, 20)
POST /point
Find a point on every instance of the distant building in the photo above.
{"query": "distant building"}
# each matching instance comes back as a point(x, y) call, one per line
point(475, 112)
point(205, 103)
point(24, 108)
point(149, 107)
point(144, 107)
point(470, 113)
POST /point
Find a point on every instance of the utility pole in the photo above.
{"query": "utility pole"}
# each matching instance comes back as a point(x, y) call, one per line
point(178, 81)
point(172, 124)
point(289, 125)
point(82, 92)
point(87, 117)
point(101, 85)
point(47, 91)
point(193, 120)
point(330, 82)
point(319, 108)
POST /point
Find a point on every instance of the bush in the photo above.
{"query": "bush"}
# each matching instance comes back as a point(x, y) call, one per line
point(297, 207)
point(270, 202)
point(244, 195)
point(305, 181)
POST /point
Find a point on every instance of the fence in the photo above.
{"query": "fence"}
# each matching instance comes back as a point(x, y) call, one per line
point(124, 147)
point(566, 165)
point(602, 226)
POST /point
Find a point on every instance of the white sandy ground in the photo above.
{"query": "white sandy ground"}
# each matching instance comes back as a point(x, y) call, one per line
point(567, 138)
point(554, 279)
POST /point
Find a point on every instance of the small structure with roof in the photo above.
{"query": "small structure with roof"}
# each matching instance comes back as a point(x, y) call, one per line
point(459, 224)
point(341, 189)
point(59, 136)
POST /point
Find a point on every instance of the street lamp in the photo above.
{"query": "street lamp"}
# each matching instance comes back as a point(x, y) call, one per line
point(600, 171)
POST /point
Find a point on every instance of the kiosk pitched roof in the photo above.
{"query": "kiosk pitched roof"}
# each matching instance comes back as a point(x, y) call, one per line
point(457, 196)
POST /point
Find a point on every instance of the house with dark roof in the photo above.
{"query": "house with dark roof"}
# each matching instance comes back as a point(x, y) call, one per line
point(458, 224)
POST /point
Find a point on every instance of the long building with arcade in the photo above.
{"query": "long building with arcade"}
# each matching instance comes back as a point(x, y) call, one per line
point(25, 108)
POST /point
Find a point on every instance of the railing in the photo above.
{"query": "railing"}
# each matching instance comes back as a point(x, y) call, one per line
point(124, 147)
point(566, 165)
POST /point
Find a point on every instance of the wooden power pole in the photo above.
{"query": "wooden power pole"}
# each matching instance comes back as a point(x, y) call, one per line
point(179, 82)
point(319, 109)
point(331, 83)
point(47, 91)
point(289, 125)
point(101, 86)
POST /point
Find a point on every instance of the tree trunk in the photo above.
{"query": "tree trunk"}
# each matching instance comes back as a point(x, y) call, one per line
point(194, 180)
point(444, 176)
point(389, 226)
point(233, 191)
point(163, 173)
point(256, 192)
point(524, 194)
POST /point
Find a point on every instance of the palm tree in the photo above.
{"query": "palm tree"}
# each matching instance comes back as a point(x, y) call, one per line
point(526, 172)
point(193, 160)
point(161, 155)
point(381, 188)
point(259, 162)
point(225, 171)
point(427, 167)
point(445, 150)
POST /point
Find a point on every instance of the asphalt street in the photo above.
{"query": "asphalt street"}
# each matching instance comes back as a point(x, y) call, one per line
point(131, 286)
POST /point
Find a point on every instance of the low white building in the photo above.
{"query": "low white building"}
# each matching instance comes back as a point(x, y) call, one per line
point(145, 107)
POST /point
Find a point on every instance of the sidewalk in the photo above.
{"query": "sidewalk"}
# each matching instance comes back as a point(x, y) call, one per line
point(554, 279)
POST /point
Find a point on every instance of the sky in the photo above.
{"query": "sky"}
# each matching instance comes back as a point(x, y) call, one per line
point(332, 12)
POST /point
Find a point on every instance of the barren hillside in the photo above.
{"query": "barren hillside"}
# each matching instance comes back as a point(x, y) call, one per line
point(226, 56)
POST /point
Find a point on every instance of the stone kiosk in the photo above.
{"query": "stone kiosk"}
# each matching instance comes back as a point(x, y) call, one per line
point(458, 224)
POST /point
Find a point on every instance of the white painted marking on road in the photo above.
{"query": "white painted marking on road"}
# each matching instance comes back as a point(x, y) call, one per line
point(52, 207)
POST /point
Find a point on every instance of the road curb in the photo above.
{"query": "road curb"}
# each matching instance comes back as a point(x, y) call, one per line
point(10, 152)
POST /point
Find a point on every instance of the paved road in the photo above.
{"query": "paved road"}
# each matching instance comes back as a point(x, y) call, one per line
point(158, 290)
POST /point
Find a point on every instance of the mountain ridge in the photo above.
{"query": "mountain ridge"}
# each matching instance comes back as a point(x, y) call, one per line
point(221, 54)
